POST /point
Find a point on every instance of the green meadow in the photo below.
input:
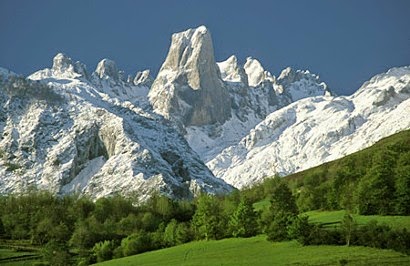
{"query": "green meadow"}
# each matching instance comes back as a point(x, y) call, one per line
point(258, 251)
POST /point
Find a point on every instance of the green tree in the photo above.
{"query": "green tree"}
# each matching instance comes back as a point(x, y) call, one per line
point(300, 229)
point(103, 250)
point(282, 213)
point(136, 243)
point(170, 238)
point(348, 227)
point(376, 190)
point(244, 220)
point(283, 200)
point(87, 233)
point(56, 254)
point(402, 185)
point(208, 220)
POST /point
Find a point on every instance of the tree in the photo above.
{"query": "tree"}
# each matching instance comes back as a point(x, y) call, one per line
point(348, 227)
point(136, 243)
point(103, 250)
point(87, 233)
point(282, 212)
point(300, 229)
point(170, 233)
point(208, 220)
point(375, 193)
point(244, 220)
point(56, 254)
point(283, 200)
point(402, 185)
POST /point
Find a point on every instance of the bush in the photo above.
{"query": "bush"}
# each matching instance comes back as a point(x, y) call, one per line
point(136, 243)
point(104, 250)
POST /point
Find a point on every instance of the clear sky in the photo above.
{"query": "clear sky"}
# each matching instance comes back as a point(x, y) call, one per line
point(346, 42)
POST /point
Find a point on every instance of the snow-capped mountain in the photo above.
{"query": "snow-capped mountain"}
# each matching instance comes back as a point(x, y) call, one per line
point(67, 131)
point(315, 130)
point(216, 104)
point(198, 126)
point(276, 125)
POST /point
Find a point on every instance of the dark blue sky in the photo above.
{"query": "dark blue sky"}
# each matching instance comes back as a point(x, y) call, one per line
point(345, 42)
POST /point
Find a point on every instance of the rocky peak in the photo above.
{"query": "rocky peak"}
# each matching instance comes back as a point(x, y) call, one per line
point(107, 68)
point(301, 84)
point(256, 73)
point(289, 75)
point(231, 71)
point(63, 65)
point(143, 78)
point(188, 88)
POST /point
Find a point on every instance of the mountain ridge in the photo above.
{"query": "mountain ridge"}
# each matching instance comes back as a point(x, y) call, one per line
point(108, 133)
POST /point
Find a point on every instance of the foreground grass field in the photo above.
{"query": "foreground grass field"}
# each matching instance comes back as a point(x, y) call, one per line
point(258, 251)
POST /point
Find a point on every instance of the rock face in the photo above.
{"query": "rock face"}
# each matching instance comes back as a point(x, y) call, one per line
point(107, 69)
point(143, 78)
point(188, 88)
point(254, 93)
point(64, 133)
point(64, 66)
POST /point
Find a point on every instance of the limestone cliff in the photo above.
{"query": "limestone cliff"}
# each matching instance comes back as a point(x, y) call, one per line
point(188, 88)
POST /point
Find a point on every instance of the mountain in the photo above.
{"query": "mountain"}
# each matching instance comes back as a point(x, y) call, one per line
point(276, 125)
point(66, 130)
point(318, 129)
point(200, 125)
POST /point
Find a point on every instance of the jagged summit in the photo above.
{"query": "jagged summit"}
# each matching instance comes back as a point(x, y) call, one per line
point(65, 67)
point(231, 71)
point(106, 69)
point(300, 84)
point(256, 73)
point(188, 88)
point(143, 78)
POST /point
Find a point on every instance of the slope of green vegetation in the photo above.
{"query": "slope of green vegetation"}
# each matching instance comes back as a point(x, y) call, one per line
point(375, 180)
point(258, 251)
point(15, 257)
point(334, 218)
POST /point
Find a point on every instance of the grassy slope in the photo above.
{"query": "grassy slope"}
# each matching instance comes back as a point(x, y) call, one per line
point(11, 257)
point(334, 217)
point(258, 251)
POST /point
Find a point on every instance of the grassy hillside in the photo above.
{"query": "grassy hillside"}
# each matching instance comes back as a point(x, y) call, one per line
point(258, 251)
point(361, 159)
point(12, 257)
point(333, 218)
point(375, 180)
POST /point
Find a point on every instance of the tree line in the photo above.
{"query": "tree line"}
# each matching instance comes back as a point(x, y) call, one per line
point(76, 230)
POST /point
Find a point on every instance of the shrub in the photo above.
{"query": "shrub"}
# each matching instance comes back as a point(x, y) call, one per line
point(104, 250)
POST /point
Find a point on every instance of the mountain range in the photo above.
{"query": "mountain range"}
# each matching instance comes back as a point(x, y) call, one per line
point(199, 126)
